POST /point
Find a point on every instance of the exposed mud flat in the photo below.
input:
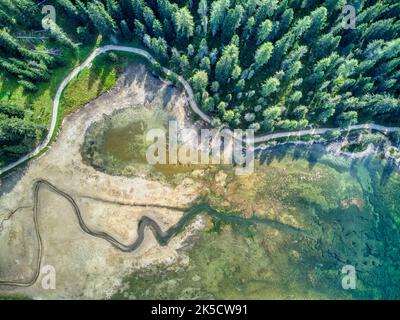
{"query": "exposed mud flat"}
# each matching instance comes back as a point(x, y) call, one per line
point(88, 267)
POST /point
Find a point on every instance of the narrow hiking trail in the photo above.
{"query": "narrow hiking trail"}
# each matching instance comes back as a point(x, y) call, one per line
point(190, 96)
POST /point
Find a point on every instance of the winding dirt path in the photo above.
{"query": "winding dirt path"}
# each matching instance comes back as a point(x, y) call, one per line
point(191, 100)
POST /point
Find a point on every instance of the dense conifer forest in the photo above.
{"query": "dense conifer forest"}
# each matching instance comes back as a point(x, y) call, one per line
point(264, 64)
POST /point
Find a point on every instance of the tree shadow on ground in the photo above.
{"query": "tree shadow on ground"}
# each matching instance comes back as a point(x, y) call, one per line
point(313, 153)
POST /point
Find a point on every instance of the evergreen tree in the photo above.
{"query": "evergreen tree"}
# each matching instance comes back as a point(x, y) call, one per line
point(248, 29)
point(347, 118)
point(114, 9)
point(179, 62)
point(263, 54)
point(250, 8)
point(11, 110)
point(138, 9)
point(326, 44)
point(6, 20)
point(266, 9)
point(8, 43)
point(59, 35)
point(184, 24)
point(82, 10)
point(205, 64)
point(217, 14)
point(285, 21)
point(232, 22)
point(157, 28)
point(100, 18)
point(270, 86)
point(140, 29)
point(203, 11)
point(69, 7)
point(202, 51)
point(149, 17)
point(264, 30)
point(199, 81)
point(318, 22)
point(227, 66)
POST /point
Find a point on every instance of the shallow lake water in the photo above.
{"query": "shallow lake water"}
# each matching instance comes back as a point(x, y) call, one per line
point(348, 212)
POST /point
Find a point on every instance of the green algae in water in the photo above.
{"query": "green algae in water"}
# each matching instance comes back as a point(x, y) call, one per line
point(351, 210)
point(126, 143)
point(232, 264)
point(117, 144)
point(235, 261)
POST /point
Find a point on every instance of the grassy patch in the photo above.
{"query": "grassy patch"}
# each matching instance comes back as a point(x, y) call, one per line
point(94, 81)
point(39, 103)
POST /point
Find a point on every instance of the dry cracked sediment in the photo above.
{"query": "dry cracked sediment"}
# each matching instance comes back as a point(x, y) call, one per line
point(88, 267)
